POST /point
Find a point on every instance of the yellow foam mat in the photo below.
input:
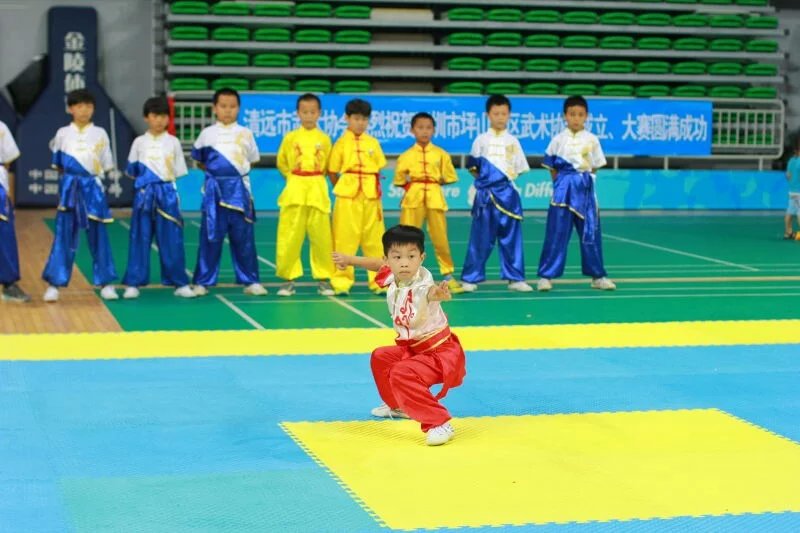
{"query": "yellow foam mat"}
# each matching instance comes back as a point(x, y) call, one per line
point(559, 468)
point(135, 345)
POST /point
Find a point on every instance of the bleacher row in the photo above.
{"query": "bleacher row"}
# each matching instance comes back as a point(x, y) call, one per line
point(639, 51)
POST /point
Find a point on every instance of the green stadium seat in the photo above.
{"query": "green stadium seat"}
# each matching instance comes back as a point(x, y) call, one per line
point(190, 111)
point(273, 35)
point(313, 10)
point(694, 20)
point(352, 61)
point(579, 41)
point(507, 64)
point(465, 39)
point(654, 43)
point(726, 44)
point(680, 1)
point(762, 45)
point(580, 17)
point(583, 89)
point(542, 65)
point(504, 38)
point(689, 68)
point(763, 22)
point(653, 67)
point(189, 7)
point(542, 40)
point(504, 87)
point(188, 84)
point(579, 65)
point(621, 18)
point(543, 16)
point(186, 133)
point(188, 58)
point(464, 63)
point(726, 91)
point(761, 92)
point(230, 59)
point(312, 61)
point(752, 2)
point(725, 68)
point(352, 86)
point(352, 12)
point(652, 91)
point(270, 9)
point(690, 44)
point(465, 13)
point(717, 2)
point(231, 9)
point(237, 84)
point(761, 69)
point(616, 89)
point(352, 37)
point(653, 19)
point(504, 15)
point(272, 85)
point(312, 36)
point(272, 60)
point(617, 42)
point(647, 1)
point(540, 88)
point(189, 33)
point(313, 86)
point(230, 33)
point(726, 21)
point(617, 66)
point(464, 87)
point(689, 91)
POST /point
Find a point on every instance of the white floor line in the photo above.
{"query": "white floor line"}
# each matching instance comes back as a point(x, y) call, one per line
point(239, 312)
point(356, 311)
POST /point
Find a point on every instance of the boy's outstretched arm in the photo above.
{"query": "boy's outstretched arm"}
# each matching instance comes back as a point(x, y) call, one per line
point(440, 293)
point(343, 261)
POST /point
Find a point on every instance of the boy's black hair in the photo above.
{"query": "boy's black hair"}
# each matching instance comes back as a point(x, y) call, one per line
point(574, 101)
point(358, 107)
point(402, 234)
point(156, 105)
point(421, 116)
point(79, 96)
point(309, 97)
point(497, 100)
point(226, 92)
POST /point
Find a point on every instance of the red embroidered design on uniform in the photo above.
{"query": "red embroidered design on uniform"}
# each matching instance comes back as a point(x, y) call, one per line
point(406, 312)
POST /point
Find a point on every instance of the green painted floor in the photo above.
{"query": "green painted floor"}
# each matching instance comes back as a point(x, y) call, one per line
point(646, 254)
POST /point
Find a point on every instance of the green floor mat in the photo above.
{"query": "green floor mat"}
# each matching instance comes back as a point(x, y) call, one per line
point(272, 10)
point(274, 35)
point(761, 45)
point(654, 43)
point(653, 67)
point(188, 84)
point(230, 33)
point(618, 18)
point(652, 91)
point(580, 17)
point(189, 33)
point(230, 59)
point(312, 36)
point(312, 61)
point(726, 91)
point(313, 10)
point(272, 60)
point(726, 44)
point(726, 21)
point(504, 64)
point(352, 61)
point(543, 16)
point(188, 7)
point(504, 15)
point(690, 44)
point(579, 65)
point(231, 9)
point(616, 90)
point(583, 89)
point(352, 86)
point(654, 19)
point(579, 41)
point(725, 68)
point(272, 85)
point(465, 39)
point(504, 38)
point(541, 88)
point(188, 58)
point(464, 13)
point(464, 87)
point(689, 68)
point(237, 84)
point(761, 92)
point(352, 12)
point(761, 69)
point(763, 22)
point(352, 37)
point(694, 20)
point(617, 42)
point(464, 63)
point(542, 40)
point(542, 65)
point(689, 91)
point(617, 66)
point(504, 87)
point(313, 86)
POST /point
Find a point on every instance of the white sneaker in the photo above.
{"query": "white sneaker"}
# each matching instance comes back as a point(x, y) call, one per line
point(543, 285)
point(131, 293)
point(109, 293)
point(324, 288)
point(469, 287)
point(604, 284)
point(199, 290)
point(520, 286)
point(440, 434)
point(51, 294)
point(287, 289)
point(255, 289)
point(384, 411)
point(184, 292)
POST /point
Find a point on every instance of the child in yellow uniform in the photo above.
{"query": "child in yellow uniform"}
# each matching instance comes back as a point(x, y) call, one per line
point(421, 171)
point(305, 205)
point(354, 166)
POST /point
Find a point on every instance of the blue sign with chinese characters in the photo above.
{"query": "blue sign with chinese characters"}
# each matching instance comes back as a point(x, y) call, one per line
point(640, 127)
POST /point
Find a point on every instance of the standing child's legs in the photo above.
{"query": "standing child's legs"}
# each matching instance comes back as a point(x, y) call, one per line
point(372, 232)
point(292, 224)
point(482, 235)
point(347, 225)
point(591, 252)
point(58, 269)
point(318, 227)
point(137, 273)
point(556, 239)
point(103, 269)
point(9, 254)
point(169, 236)
point(242, 237)
point(510, 245)
point(437, 228)
point(209, 251)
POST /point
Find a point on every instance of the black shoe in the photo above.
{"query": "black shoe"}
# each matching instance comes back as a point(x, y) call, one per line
point(13, 293)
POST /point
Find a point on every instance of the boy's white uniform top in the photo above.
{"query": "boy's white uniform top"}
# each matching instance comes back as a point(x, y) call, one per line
point(413, 316)
point(581, 151)
point(8, 153)
point(156, 158)
point(502, 150)
point(82, 151)
point(226, 150)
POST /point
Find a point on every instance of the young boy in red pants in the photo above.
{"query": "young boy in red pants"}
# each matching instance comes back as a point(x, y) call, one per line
point(426, 351)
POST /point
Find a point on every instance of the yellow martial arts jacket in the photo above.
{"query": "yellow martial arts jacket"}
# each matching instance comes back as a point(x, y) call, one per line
point(359, 160)
point(303, 161)
point(422, 171)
